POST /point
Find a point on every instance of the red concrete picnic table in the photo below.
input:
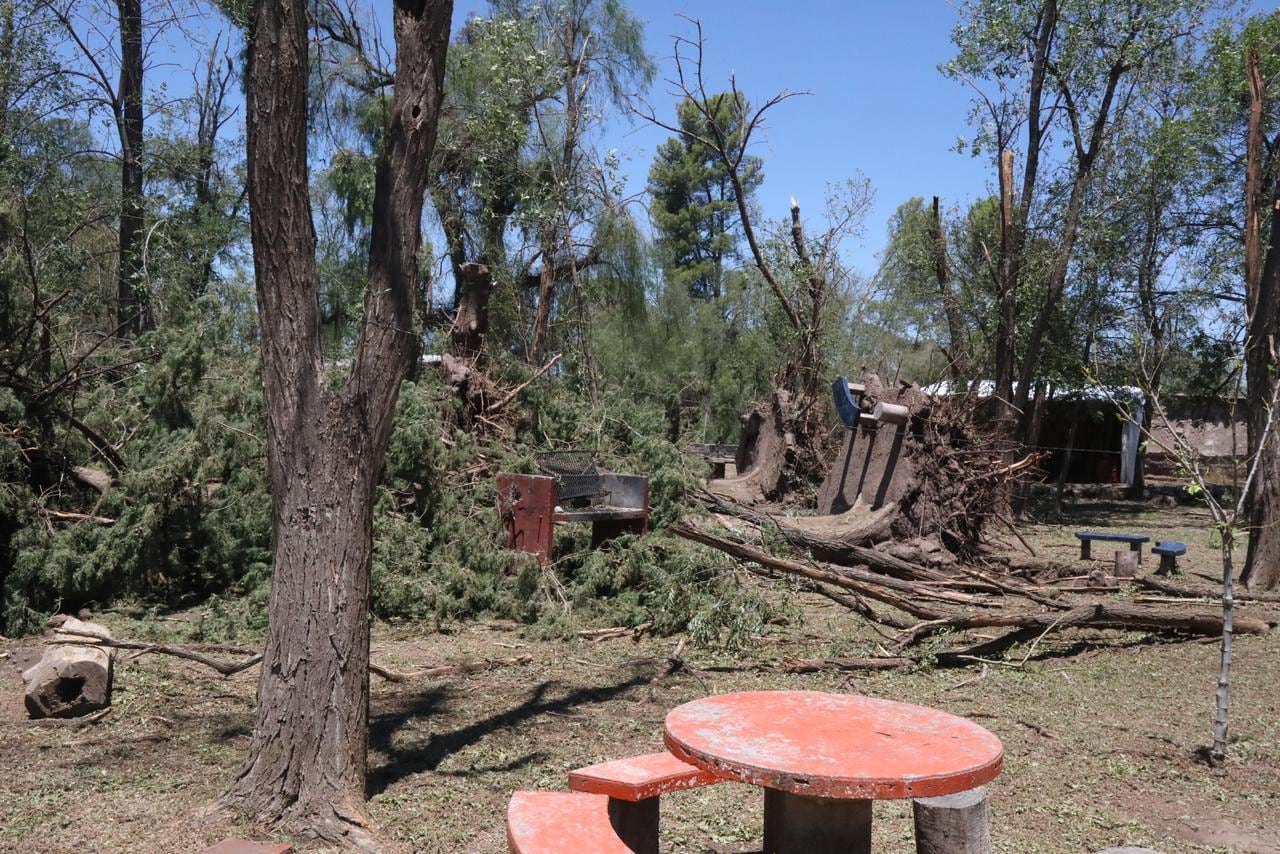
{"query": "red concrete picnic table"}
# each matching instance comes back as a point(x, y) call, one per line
point(823, 758)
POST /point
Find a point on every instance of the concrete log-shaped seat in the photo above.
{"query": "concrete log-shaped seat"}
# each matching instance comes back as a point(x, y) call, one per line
point(633, 786)
point(1135, 541)
point(1169, 552)
point(562, 823)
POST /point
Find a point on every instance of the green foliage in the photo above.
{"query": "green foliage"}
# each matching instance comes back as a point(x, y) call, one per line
point(695, 205)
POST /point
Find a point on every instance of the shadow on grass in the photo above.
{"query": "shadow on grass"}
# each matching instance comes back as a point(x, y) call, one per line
point(406, 761)
point(1080, 646)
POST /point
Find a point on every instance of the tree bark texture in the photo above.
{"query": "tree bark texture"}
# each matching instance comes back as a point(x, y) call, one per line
point(307, 761)
point(131, 311)
point(474, 285)
point(1222, 694)
point(1262, 351)
point(957, 355)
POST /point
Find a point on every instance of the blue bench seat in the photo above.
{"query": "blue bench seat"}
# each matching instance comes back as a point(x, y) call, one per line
point(1135, 541)
point(1169, 551)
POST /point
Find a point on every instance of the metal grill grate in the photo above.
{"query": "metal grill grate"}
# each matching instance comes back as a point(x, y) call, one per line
point(578, 481)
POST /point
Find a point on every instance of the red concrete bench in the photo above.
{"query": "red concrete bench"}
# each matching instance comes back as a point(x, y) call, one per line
point(561, 823)
point(633, 786)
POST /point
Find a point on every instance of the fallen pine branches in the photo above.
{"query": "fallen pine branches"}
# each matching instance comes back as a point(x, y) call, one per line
point(868, 584)
point(1098, 615)
point(918, 599)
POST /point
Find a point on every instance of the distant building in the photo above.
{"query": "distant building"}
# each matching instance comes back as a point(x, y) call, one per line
point(1095, 434)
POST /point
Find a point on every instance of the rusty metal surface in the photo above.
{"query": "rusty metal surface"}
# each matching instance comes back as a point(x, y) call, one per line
point(527, 504)
point(530, 507)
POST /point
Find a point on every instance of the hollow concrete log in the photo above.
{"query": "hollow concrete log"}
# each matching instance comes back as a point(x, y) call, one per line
point(953, 824)
point(70, 679)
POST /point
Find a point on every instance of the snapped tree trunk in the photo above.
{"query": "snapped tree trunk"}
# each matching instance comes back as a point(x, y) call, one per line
point(130, 309)
point(474, 285)
point(307, 761)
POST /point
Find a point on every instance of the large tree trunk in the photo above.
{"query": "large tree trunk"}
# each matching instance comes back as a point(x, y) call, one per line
point(1262, 354)
point(130, 310)
point(307, 761)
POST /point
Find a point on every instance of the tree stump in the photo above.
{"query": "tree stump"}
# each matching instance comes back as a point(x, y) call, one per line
point(70, 679)
point(953, 824)
point(1126, 564)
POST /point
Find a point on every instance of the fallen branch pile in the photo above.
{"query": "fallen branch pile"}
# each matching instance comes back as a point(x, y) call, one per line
point(960, 599)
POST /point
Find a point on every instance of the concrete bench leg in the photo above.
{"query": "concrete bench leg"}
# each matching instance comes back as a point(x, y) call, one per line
point(795, 824)
point(1168, 565)
point(1084, 549)
point(636, 823)
point(1137, 547)
point(953, 824)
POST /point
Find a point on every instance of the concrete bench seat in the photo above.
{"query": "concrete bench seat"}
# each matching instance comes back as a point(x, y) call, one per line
point(1135, 541)
point(562, 823)
point(633, 786)
point(1169, 552)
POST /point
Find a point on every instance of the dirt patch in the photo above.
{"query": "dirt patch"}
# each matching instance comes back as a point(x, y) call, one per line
point(1100, 732)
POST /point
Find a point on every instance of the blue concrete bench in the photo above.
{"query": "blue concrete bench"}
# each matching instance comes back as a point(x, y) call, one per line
point(1169, 553)
point(1135, 541)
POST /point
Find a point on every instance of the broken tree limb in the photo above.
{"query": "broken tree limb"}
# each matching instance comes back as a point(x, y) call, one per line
point(450, 669)
point(815, 665)
point(844, 555)
point(1194, 593)
point(100, 639)
point(866, 584)
point(68, 516)
point(849, 600)
point(515, 391)
point(1100, 615)
point(230, 668)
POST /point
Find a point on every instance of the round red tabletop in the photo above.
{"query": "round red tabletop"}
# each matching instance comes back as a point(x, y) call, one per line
point(834, 745)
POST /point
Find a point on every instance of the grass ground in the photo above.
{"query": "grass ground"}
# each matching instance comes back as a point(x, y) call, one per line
point(1101, 732)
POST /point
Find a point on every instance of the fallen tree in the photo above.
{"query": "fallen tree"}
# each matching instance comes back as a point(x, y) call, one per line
point(927, 601)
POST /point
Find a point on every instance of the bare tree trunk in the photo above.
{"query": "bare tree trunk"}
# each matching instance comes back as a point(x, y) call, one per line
point(131, 312)
point(1223, 694)
point(957, 356)
point(1262, 352)
point(307, 761)
point(1007, 299)
point(542, 317)
point(209, 97)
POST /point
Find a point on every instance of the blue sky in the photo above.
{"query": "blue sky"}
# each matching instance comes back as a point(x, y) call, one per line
point(878, 106)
